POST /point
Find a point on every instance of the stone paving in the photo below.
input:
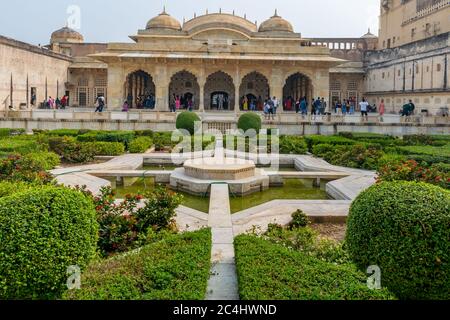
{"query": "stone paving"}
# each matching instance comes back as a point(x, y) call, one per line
point(222, 284)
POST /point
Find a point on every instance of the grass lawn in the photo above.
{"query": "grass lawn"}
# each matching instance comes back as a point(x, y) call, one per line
point(429, 150)
point(269, 271)
point(176, 268)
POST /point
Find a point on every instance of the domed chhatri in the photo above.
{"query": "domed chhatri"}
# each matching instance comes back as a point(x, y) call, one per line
point(66, 35)
point(164, 21)
point(369, 35)
point(276, 24)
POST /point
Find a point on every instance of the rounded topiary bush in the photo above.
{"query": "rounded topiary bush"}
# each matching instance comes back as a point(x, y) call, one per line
point(249, 121)
point(404, 228)
point(186, 121)
point(42, 233)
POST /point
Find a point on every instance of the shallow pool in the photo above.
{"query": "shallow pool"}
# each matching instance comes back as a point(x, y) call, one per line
point(294, 189)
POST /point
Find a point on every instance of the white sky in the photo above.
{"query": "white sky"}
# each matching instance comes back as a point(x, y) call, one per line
point(115, 20)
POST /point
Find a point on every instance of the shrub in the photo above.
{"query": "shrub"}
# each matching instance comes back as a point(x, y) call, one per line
point(286, 274)
point(293, 145)
point(175, 268)
point(71, 150)
point(144, 133)
point(332, 140)
point(412, 171)
point(140, 145)
point(11, 145)
point(107, 148)
point(186, 121)
point(20, 168)
point(66, 132)
point(299, 220)
point(250, 121)
point(352, 156)
point(124, 137)
point(158, 211)
point(404, 227)
point(8, 188)
point(11, 132)
point(43, 232)
point(163, 140)
point(44, 160)
point(123, 225)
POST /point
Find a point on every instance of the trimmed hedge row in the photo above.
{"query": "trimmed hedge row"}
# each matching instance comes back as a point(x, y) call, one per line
point(5, 132)
point(43, 232)
point(175, 268)
point(269, 271)
point(404, 228)
point(140, 145)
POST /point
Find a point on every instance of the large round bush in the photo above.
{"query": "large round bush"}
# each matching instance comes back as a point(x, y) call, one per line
point(404, 228)
point(42, 233)
point(186, 121)
point(249, 121)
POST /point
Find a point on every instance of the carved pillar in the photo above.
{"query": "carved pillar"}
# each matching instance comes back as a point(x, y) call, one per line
point(237, 84)
point(276, 87)
point(116, 87)
point(162, 88)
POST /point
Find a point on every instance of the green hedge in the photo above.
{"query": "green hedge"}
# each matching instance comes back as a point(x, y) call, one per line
point(107, 148)
point(404, 228)
point(358, 156)
point(250, 121)
point(140, 145)
point(293, 145)
point(163, 140)
point(43, 232)
point(71, 150)
point(333, 140)
point(124, 137)
point(8, 188)
point(11, 145)
point(186, 121)
point(176, 268)
point(269, 271)
point(4, 132)
point(44, 160)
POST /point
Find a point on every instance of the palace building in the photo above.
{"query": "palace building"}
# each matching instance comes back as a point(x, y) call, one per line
point(219, 60)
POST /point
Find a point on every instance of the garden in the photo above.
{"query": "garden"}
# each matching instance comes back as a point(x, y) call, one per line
point(132, 250)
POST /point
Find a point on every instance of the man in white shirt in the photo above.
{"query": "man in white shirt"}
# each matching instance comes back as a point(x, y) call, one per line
point(364, 105)
point(276, 104)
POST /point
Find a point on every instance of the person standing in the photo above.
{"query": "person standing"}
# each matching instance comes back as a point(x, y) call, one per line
point(64, 100)
point(125, 106)
point(304, 108)
point(100, 104)
point(245, 104)
point(177, 103)
point(220, 102)
point(272, 108)
point(382, 110)
point(344, 107)
point(276, 104)
point(338, 107)
point(364, 105)
point(172, 105)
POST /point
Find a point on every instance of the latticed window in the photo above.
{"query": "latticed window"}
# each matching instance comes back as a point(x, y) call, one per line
point(352, 85)
point(83, 96)
point(83, 82)
point(101, 82)
point(335, 86)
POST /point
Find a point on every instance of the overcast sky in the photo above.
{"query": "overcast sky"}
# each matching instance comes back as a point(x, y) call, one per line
point(113, 21)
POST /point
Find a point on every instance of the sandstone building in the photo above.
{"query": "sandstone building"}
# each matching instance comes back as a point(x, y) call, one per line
point(221, 57)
